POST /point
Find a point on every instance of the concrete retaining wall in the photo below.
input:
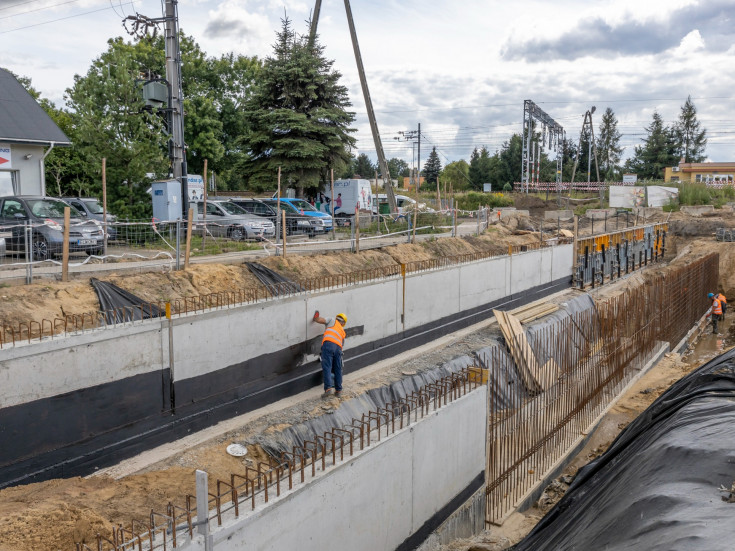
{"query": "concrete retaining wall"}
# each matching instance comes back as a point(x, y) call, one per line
point(390, 496)
point(91, 399)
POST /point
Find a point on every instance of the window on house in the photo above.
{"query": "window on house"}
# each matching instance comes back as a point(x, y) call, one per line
point(8, 182)
point(698, 178)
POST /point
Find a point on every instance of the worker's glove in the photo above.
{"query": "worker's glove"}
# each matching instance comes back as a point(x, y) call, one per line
point(316, 315)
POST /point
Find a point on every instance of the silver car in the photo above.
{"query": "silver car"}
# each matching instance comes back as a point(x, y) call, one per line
point(226, 219)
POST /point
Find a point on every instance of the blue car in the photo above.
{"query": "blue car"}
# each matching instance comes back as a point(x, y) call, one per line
point(305, 208)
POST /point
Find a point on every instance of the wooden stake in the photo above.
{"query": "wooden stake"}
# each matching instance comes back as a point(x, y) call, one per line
point(104, 206)
point(278, 211)
point(190, 219)
point(331, 202)
point(283, 218)
point(357, 229)
point(65, 246)
point(376, 203)
point(204, 215)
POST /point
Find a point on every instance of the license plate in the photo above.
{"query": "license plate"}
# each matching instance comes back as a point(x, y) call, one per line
point(86, 242)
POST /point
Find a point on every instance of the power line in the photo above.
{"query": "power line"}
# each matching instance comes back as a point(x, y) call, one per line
point(18, 4)
point(38, 9)
point(131, 2)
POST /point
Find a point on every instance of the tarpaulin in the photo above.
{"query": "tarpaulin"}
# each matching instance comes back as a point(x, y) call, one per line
point(120, 306)
point(275, 282)
point(662, 484)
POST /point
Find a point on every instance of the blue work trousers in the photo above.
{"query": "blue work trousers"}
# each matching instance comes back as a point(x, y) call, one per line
point(332, 362)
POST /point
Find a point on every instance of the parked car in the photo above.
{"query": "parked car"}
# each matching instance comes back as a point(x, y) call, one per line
point(46, 216)
point(320, 222)
point(226, 219)
point(91, 208)
point(295, 221)
point(403, 203)
point(309, 210)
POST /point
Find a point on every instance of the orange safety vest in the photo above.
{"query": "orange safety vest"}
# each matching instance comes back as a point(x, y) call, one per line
point(335, 334)
point(721, 298)
point(716, 307)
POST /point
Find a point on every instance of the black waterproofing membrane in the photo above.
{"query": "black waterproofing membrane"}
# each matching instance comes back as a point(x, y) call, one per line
point(275, 282)
point(120, 306)
point(658, 486)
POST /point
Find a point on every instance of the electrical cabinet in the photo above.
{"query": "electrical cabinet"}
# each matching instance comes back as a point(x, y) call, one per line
point(166, 200)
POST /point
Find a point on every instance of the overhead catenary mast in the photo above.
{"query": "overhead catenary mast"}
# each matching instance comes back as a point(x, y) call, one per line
point(383, 164)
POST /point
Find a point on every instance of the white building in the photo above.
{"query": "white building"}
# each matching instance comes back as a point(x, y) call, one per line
point(27, 135)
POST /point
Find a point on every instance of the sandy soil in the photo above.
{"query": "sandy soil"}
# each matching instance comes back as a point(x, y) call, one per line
point(53, 515)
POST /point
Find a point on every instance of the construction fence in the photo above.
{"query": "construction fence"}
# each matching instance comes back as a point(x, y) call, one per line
point(28, 249)
point(593, 354)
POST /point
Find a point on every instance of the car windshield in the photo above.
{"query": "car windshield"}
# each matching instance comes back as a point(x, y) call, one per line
point(288, 207)
point(50, 208)
point(94, 206)
point(231, 208)
point(303, 205)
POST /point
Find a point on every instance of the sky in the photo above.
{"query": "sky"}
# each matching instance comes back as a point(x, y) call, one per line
point(460, 69)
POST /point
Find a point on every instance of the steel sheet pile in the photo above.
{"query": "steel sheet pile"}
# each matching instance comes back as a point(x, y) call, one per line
point(665, 482)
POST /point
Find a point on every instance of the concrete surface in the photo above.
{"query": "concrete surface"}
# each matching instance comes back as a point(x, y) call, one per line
point(697, 210)
point(558, 215)
point(376, 499)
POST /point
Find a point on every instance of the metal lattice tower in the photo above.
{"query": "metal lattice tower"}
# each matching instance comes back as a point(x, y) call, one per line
point(535, 120)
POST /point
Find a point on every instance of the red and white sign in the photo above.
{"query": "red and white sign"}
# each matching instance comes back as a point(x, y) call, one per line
point(5, 157)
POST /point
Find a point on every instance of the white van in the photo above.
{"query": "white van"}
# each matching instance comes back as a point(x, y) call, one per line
point(349, 194)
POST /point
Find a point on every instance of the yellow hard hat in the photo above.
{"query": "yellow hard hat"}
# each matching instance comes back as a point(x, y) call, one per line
point(343, 316)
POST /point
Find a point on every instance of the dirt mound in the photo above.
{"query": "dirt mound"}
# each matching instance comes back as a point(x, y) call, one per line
point(50, 300)
point(532, 202)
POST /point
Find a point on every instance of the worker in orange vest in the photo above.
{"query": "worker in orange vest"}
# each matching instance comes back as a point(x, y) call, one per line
point(723, 302)
point(716, 311)
point(331, 353)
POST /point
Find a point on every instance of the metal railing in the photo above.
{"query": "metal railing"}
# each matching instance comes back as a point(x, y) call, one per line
point(597, 352)
point(37, 331)
point(256, 486)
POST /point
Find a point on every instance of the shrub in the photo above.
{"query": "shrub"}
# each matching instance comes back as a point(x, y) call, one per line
point(507, 187)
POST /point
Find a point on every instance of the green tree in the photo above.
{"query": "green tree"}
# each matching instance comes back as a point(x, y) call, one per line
point(432, 168)
point(456, 173)
point(657, 152)
point(297, 117)
point(363, 167)
point(479, 171)
point(398, 168)
point(691, 141)
point(608, 146)
point(509, 162)
point(108, 120)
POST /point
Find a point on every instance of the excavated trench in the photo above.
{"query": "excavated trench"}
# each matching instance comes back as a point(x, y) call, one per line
point(76, 509)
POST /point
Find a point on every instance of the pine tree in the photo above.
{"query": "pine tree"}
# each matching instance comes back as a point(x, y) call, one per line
point(608, 146)
point(363, 167)
point(479, 167)
point(432, 168)
point(297, 118)
point(691, 142)
point(657, 152)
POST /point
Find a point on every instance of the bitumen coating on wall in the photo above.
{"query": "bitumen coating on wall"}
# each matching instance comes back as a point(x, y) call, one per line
point(90, 400)
point(665, 483)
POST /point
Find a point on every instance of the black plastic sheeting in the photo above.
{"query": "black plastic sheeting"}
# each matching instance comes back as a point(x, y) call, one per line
point(120, 306)
point(275, 282)
point(657, 486)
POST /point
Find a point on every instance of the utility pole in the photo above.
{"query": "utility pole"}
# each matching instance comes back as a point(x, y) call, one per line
point(591, 148)
point(415, 137)
point(175, 109)
point(173, 75)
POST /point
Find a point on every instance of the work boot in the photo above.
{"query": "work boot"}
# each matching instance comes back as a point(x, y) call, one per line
point(328, 392)
point(338, 393)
